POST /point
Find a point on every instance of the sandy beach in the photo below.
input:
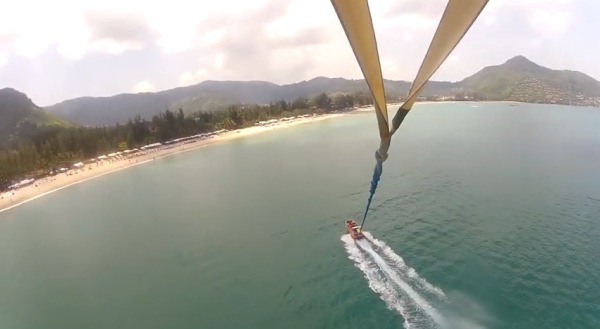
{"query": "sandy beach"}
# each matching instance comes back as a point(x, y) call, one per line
point(45, 186)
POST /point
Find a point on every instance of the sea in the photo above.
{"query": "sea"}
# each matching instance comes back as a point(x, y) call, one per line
point(487, 215)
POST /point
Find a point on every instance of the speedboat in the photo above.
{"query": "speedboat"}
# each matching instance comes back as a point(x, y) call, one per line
point(354, 229)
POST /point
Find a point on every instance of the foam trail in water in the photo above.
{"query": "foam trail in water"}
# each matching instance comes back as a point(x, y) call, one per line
point(421, 304)
point(399, 264)
point(393, 275)
point(376, 281)
point(388, 282)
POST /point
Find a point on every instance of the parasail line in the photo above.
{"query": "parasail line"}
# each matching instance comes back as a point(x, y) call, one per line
point(355, 17)
point(457, 19)
point(374, 181)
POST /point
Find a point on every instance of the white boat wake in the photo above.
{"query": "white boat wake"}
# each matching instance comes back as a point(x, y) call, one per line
point(418, 302)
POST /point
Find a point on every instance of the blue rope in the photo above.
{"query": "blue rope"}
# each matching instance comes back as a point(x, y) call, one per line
point(374, 181)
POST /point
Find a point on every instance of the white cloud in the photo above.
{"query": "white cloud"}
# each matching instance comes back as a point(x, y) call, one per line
point(535, 43)
point(211, 37)
point(183, 42)
point(180, 25)
point(114, 47)
point(498, 5)
point(192, 78)
point(453, 58)
point(35, 30)
point(75, 44)
point(550, 22)
point(179, 22)
point(143, 86)
point(546, 17)
point(62, 24)
point(489, 20)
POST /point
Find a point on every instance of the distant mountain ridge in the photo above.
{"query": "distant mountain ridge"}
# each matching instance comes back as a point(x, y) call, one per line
point(518, 79)
point(19, 116)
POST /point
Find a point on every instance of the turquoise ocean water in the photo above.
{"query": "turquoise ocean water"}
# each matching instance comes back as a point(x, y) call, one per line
point(487, 216)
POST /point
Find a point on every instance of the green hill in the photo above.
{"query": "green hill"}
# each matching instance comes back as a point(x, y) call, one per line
point(209, 95)
point(20, 117)
point(518, 79)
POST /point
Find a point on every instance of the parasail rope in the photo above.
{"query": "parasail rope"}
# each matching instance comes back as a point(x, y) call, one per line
point(374, 182)
point(355, 17)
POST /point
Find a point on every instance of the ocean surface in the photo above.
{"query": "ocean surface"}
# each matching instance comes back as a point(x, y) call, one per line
point(487, 216)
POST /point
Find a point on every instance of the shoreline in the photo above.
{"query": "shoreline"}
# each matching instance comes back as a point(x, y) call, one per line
point(48, 185)
point(45, 186)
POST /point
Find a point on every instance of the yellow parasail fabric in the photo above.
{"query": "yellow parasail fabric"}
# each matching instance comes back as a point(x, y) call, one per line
point(356, 20)
point(355, 17)
point(454, 24)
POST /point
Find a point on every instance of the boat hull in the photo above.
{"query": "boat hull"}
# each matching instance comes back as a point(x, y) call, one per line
point(354, 230)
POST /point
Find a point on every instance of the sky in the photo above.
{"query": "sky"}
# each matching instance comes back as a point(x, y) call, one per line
point(63, 49)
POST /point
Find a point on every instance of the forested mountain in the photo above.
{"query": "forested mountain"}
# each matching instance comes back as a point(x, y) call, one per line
point(517, 79)
point(34, 141)
point(20, 117)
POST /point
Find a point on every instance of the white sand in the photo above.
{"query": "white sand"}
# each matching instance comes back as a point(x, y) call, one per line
point(48, 185)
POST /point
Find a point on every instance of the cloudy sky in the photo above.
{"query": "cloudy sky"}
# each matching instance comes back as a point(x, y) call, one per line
point(61, 49)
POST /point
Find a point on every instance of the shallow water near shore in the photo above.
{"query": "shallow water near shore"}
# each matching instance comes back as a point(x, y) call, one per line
point(485, 217)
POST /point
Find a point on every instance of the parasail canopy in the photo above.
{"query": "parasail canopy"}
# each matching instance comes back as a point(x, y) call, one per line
point(355, 18)
point(356, 21)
